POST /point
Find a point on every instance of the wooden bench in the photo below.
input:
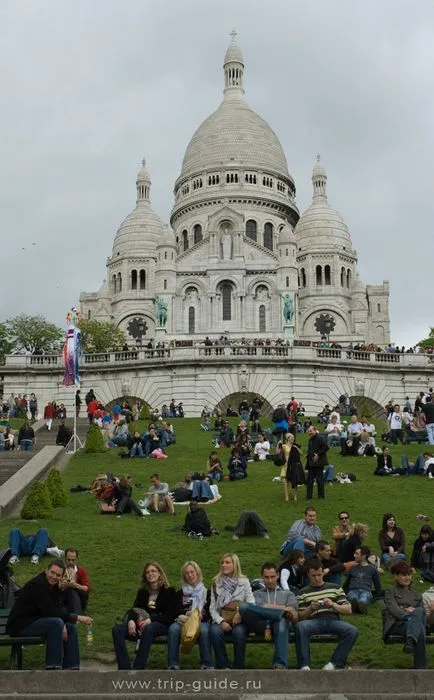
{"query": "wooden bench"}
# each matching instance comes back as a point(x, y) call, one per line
point(400, 639)
point(257, 639)
point(16, 643)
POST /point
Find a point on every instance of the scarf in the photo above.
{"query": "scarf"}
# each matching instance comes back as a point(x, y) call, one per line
point(228, 586)
point(197, 595)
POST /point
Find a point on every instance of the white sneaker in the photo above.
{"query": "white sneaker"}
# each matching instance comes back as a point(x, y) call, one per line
point(305, 668)
point(430, 476)
point(34, 559)
point(55, 551)
point(145, 511)
point(14, 559)
point(329, 667)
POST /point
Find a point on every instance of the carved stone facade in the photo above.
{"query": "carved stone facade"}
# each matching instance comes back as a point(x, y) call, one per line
point(236, 249)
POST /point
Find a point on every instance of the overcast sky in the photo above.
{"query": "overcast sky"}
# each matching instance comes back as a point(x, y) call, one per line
point(90, 87)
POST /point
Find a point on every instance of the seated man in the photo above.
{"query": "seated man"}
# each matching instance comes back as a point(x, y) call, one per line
point(332, 567)
point(151, 441)
point(26, 437)
point(120, 434)
point(75, 582)
point(405, 614)
point(320, 605)
point(33, 546)
point(39, 611)
point(350, 444)
point(274, 612)
point(237, 465)
point(166, 434)
point(157, 497)
point(226, 436)
point(360, 580)
point(334, 430)
point(302, 535)
point(262, 449)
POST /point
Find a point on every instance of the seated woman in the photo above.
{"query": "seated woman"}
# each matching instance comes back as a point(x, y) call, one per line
point(64, 434)
point(262, 449)
point(358, 533)
point(244, 445)
point(154, 609)
point(405, 614)
point(392, 541)
point(241, 428)
point(294, 472)
point(385, 466)
point(291, 570)
point(229, 589)
point(192, 596)
point(367, 445)
point(422, 556)
point(237, 465)
point(9, 439)
point(214, 466)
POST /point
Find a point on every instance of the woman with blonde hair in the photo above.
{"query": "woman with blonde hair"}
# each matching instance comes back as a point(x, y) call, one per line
point(192, 596)
point(154, 609)
point(358, 533)
point(229, 588)
point(292, 468)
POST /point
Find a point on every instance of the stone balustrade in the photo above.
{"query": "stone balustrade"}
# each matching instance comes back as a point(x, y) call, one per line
point(203, 353)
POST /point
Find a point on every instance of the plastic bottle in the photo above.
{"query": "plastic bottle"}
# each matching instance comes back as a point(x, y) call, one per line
point(89, 634)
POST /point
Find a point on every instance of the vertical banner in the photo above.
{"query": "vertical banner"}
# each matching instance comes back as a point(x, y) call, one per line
point(72, 348)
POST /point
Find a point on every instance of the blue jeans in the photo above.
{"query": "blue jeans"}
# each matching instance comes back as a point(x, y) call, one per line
point(202, 489)
point(173, 641)
point(219, 640)
point(334, 577)
point(297, 543)
point(120, 634)
point(360, 595)
point(387, 559)
point(430, 433)
point(117, 442)
point(413, 627)
point(26, 445)
point(26, 546)
point(328, 472)
point(256, 618)
point(306, 628)
point(58, 654)
point(136, 450)
point(217, 476)
point(417, 468)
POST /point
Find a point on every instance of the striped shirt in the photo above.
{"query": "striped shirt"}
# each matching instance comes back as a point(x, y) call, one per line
point(328, 590)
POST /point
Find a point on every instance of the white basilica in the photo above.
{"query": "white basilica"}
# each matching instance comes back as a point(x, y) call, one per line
point(237, 259)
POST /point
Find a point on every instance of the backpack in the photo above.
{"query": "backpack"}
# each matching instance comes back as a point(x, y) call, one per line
point(8, 587)
point(278, 414)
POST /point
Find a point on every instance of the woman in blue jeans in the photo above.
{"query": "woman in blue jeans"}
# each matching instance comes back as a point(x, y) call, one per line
point(193, 596)
point(154, 609)
point(392, 541)
point(229, 588)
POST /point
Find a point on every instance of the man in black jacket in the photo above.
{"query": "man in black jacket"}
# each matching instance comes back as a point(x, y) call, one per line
point(315, 462)
point(39, 611)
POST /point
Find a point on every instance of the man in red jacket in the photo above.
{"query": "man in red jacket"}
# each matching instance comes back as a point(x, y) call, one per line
point(49, 414)
point(75, 582)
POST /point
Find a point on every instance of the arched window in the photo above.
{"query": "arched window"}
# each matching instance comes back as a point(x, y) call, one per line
point(251, 229)
point(342, 276)
point(185, 239)
point(133, 279)
point(191, 319)
point(268, 236)
point(348, 277)
point(142, 279)
point(327, 275)
point(119, 282)
point(197, 233)
point(303, 277)
point(262, 324)
point(114, 284)
point(318, 273)
point(226, 292)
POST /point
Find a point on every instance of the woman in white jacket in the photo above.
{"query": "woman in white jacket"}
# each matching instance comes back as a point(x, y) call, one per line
point(229, 589)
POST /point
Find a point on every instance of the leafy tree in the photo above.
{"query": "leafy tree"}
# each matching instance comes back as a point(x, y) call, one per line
point(100, 336)
point(5, 342)
point(428, 342)
point(34, 334)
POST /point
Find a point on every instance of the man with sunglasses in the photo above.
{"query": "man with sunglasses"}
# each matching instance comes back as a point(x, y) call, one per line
point(341, 531)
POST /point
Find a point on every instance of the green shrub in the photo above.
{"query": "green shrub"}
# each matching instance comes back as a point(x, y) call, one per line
point(94, 441)
point(56, 489)
point(145, 413)
point(38, 503)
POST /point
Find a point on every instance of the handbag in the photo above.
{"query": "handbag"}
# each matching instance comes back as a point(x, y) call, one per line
point(190, 631)
point(279, 459)
point(229, 611)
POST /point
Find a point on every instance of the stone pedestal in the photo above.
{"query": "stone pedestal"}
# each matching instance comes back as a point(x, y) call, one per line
point(288, 333)
point(160, 335)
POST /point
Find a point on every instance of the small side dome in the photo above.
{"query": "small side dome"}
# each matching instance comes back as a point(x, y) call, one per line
point(286, 234)
point(167, 239)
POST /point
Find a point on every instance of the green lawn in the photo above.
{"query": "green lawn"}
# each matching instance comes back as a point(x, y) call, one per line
point(114, 550)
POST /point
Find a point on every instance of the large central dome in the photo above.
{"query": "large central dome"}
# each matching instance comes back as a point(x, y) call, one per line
point(234, 135)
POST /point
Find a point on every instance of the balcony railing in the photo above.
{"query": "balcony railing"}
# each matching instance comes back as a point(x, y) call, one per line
point(203, 353)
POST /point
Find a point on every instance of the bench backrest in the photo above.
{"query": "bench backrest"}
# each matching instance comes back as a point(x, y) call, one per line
point(4, 614)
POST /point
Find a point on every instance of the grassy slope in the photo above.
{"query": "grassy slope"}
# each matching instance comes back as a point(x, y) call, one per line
point(114, 550)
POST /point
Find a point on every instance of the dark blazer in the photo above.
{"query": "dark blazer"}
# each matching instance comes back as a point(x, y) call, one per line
point(166, 606)
point(381, 462)
point(317, 445)
point(37, 599)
